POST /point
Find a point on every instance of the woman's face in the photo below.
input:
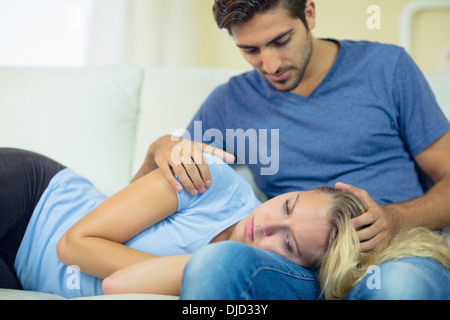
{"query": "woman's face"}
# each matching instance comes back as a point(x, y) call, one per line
point(293, 225)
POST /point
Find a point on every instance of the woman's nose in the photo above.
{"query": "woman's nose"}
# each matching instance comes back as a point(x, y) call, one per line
point(270, 227)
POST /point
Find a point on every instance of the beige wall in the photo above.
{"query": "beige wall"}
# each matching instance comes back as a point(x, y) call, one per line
point(340, 19)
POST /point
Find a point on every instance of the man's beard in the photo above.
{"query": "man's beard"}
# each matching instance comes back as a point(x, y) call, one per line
point(299, 72)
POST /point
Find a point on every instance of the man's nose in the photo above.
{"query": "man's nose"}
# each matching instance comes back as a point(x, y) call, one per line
point(271, 61)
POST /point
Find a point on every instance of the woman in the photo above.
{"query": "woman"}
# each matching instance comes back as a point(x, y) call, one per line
point(61, 235)
point(141, 238)
point(332, 249)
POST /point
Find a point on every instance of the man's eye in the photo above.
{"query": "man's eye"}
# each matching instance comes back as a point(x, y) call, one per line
point(250, 51)
point(282, 43)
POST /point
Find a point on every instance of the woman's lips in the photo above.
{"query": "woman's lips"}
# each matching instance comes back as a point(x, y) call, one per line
point(250, 229)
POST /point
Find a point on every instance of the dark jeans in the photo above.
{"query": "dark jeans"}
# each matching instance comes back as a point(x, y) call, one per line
point(24, 176)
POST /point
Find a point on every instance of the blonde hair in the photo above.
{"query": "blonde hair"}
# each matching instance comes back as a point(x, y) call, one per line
point(341, 264)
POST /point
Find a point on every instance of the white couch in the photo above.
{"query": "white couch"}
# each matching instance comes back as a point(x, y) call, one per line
point(100, 121)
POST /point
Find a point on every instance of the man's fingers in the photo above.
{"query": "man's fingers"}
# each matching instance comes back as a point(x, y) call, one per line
point(222, 154)
point(368, 232)
point(192, 173)
point(362, 194)
point(189, 165)
point(202, 164)
point(374, 226)
point(368, 245)
point(203, 168)
point(197, 168)
point(169, 175)
point(177, 163)
point(184, 167)
point(379, 241)
point(365, 219)
point(183, 176)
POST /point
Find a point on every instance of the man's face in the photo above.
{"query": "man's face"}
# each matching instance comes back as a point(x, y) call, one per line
point(278, 46)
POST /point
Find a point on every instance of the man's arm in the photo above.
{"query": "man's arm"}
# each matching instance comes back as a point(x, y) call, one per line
point(432, 210)
point(147, 166)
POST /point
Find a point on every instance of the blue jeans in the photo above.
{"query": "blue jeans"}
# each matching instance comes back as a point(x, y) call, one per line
point(234, 271)
point(404, 279)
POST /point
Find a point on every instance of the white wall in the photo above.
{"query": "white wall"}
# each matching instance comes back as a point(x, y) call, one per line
point(62, 33)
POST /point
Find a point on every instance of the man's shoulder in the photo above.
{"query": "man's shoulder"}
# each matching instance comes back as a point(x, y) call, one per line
point(370, 56)
point(372, 48)
point(237, 87)
point(239, 80)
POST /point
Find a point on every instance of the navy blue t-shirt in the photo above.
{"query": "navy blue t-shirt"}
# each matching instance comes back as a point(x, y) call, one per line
point(362, 125)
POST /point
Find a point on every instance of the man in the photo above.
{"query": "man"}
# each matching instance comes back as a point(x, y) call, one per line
point(354, 112)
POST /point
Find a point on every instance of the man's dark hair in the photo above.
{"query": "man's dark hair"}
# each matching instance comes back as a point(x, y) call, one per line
point(230, 12)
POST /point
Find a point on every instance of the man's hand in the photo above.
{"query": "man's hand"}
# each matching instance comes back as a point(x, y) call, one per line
point(378, 223)
point(184, 158)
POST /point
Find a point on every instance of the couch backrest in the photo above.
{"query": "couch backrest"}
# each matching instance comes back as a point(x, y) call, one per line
point(100, 121)
point(83, 118)
point(170, 98)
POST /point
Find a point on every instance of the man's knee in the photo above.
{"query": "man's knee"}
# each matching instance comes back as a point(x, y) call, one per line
point(232, 270)
point(216, 266)
point(404, 279)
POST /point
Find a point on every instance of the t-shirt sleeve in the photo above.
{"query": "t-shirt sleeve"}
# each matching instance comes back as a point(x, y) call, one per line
point(421, 120)
point(216, 167)
point(228, 188)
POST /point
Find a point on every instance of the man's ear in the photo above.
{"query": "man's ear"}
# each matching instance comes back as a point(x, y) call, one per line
point(310, 14)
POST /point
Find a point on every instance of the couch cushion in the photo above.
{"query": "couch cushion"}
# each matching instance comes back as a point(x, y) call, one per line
point(170, 98)
point(8, 294)
point(84, 118)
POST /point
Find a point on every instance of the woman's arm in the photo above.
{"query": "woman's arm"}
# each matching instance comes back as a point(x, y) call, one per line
point(160, 275)
point(94, 244)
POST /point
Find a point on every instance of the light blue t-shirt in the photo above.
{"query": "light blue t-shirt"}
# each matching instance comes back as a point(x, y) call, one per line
point(363, 125)
point(69, 197)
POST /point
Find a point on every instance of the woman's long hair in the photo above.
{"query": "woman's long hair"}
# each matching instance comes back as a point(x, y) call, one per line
point(341, 265)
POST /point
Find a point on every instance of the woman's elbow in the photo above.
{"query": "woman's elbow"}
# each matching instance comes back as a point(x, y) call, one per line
point(65, 249)
point(112, 285)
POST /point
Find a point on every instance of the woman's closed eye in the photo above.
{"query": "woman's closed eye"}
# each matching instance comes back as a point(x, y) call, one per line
point(287, 244)
point(286, 207)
